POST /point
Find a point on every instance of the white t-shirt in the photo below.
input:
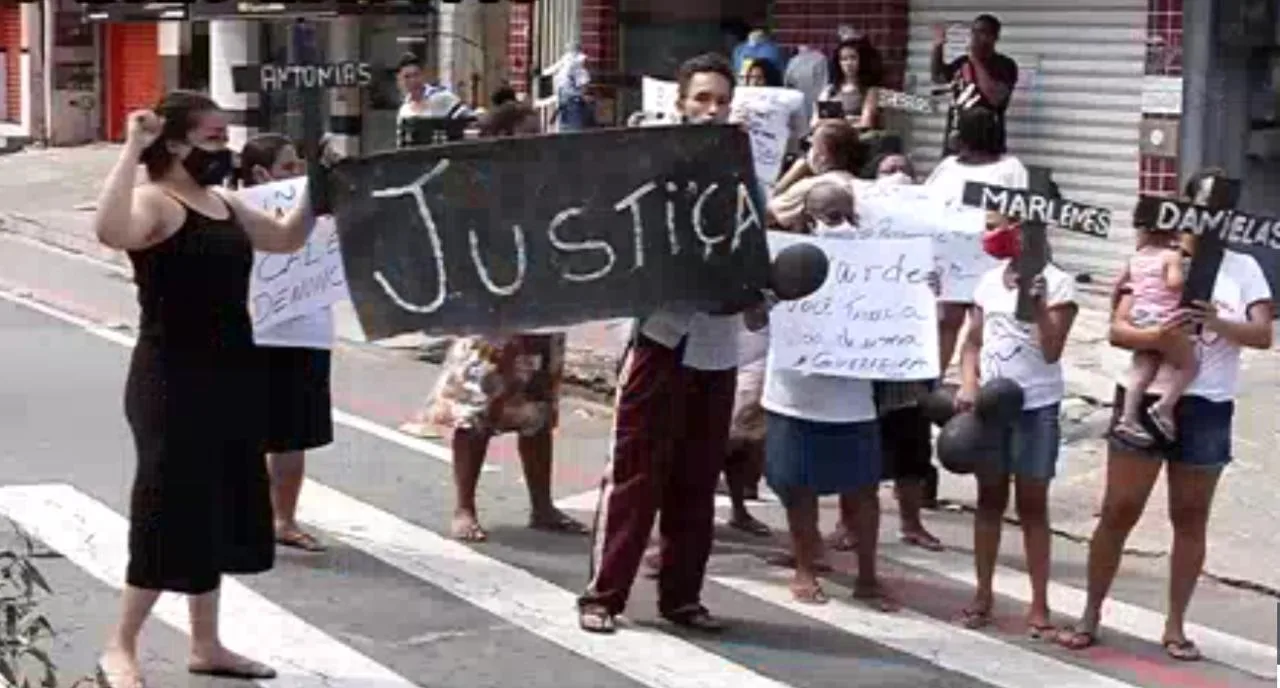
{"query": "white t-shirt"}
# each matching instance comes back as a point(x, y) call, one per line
point(1240, 284)
point(820, 398)
point(950, 176)
point(1010, 347)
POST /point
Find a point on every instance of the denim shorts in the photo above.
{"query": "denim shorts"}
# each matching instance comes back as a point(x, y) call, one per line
point(1032, 447)
point(1204, 432)
point(804, 456)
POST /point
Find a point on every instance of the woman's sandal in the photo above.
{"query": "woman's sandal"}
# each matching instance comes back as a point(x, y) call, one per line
point(923, 541)
point(974, 619)
point(1132, 436)
point(247, 670)
point(809, 594)
point(1163, 425)
point(298, 539)
point(558, 522)
point(751, 525)
point(1074, 638)
point(1182, 650)
point(595, 619)
point(1040, 632)
point(116, 679)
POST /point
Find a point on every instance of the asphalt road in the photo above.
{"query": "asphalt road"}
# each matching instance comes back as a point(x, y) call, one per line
point(394, 603)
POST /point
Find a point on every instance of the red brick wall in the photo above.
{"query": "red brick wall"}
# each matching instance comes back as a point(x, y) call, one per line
point(1159, 175)
point(600, 34)
point(519, 21)
point(814, 23)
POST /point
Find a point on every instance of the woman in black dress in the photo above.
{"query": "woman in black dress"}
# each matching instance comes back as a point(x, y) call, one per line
point(300, 411)
point(200, 505)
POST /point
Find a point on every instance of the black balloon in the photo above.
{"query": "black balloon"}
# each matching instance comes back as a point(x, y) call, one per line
point(999, 402)
point(939, 406)
point(966, 442)
point(798, 271)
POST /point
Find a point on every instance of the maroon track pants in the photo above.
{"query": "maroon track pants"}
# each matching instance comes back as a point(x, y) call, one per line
point(670, 430)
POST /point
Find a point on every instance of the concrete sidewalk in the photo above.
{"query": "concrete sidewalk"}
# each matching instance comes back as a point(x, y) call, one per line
point(47, 195)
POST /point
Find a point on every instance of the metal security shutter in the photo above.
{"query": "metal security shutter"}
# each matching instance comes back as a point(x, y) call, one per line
point(1076, 110)
point(133, 72)
point(11, 42)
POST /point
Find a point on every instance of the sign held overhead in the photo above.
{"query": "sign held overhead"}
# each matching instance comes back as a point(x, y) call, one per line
point(1030, 206)
point(275, 77)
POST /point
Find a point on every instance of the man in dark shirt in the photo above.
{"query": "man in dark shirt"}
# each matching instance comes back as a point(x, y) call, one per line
point(983, 77)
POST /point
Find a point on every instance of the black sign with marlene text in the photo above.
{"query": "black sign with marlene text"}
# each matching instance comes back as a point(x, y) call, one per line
point(521, 233)
point(1029, 206)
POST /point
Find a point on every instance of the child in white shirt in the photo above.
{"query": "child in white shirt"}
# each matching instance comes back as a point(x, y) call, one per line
point(1000, 346)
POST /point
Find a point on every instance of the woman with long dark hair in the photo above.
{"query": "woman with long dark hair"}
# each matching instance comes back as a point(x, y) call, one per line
point(201, 503)
point(854, 79)
point(498, 384)
point(299, 404)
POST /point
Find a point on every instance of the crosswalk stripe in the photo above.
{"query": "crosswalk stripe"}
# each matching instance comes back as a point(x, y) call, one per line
point(93, 537)
point(425, 447)
point(647, 656)
point(1240, 653)
point(963, 651)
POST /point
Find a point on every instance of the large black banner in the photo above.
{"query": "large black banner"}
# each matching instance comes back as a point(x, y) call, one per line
point(510, 234)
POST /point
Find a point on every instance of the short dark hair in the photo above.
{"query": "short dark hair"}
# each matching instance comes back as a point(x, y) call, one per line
point(991, 22)
point(978, 130)
point(706, 63)
point(408, 60)
point(772, 75)
point(180, 111)
point(847, 150)
point(260, 151)
point(504, 94)
point(505, 119)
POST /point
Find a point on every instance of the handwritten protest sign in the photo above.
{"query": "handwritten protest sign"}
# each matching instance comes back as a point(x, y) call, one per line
point(766, 111)
point(904, 212)
point(284, 287)
point(875, 318)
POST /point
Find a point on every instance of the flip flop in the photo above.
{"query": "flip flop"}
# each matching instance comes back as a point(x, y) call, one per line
point(558, 523)
point(923, 541)
point(752, 526)
point(788, 561)
point(974, 619)
point(300, 540)
point(809, 594)
point(106, 679)
point(842, 541)
point(1133, 437)
point(472, 533)
point(1073, 638)
point(1182, 650)
point(877, 598)
point(1164, 427)
point(1041, 631)
point(248, 671)
point(597, 620)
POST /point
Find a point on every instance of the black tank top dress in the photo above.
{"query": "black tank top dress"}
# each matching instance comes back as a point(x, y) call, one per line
point(194, 399)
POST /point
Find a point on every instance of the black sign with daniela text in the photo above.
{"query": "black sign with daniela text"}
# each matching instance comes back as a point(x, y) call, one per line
point(1236, 229)
point(521, 233)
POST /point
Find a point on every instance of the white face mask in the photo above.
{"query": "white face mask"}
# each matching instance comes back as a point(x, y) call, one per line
point(821, 228)
point(895, 179)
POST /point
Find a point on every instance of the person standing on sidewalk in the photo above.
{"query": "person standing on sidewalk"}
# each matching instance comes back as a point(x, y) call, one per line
point(982, 77)
point(671, 428)
point(1240, 317)
point(999, 345)
point(299, 404)
point(201, 502)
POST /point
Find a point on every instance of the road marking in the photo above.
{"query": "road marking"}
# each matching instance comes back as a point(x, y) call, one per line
point(647, 656)
point(95, 538)
point(434, 450)
point(992, 662)
point(1240, 653)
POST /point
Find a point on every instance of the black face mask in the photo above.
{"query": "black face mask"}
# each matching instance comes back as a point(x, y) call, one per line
point(208, 168)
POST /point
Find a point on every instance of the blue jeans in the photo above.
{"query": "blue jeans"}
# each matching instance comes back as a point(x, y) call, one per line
point(1031, 449)
point(1204, 432)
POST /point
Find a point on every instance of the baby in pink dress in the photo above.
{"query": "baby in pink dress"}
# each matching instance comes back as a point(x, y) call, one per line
point(1156, 274)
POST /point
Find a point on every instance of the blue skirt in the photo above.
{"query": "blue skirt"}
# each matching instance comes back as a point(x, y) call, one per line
point(820, 458)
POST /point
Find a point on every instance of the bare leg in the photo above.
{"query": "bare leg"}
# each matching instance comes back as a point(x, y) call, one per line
point(1181, 355)
point(739, 474)
point(910, 492)
point(1130, 478)
point(845, 538)
point(207, 653)
point(1191, 491)
point(288, 470)
point(950, 321)
point(1032, 504)
point(536, 453)
point(868, 586)
point(119, 661)
point(469, 449)
point(1145, 366)
point(993, 499)
point(806, 544)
